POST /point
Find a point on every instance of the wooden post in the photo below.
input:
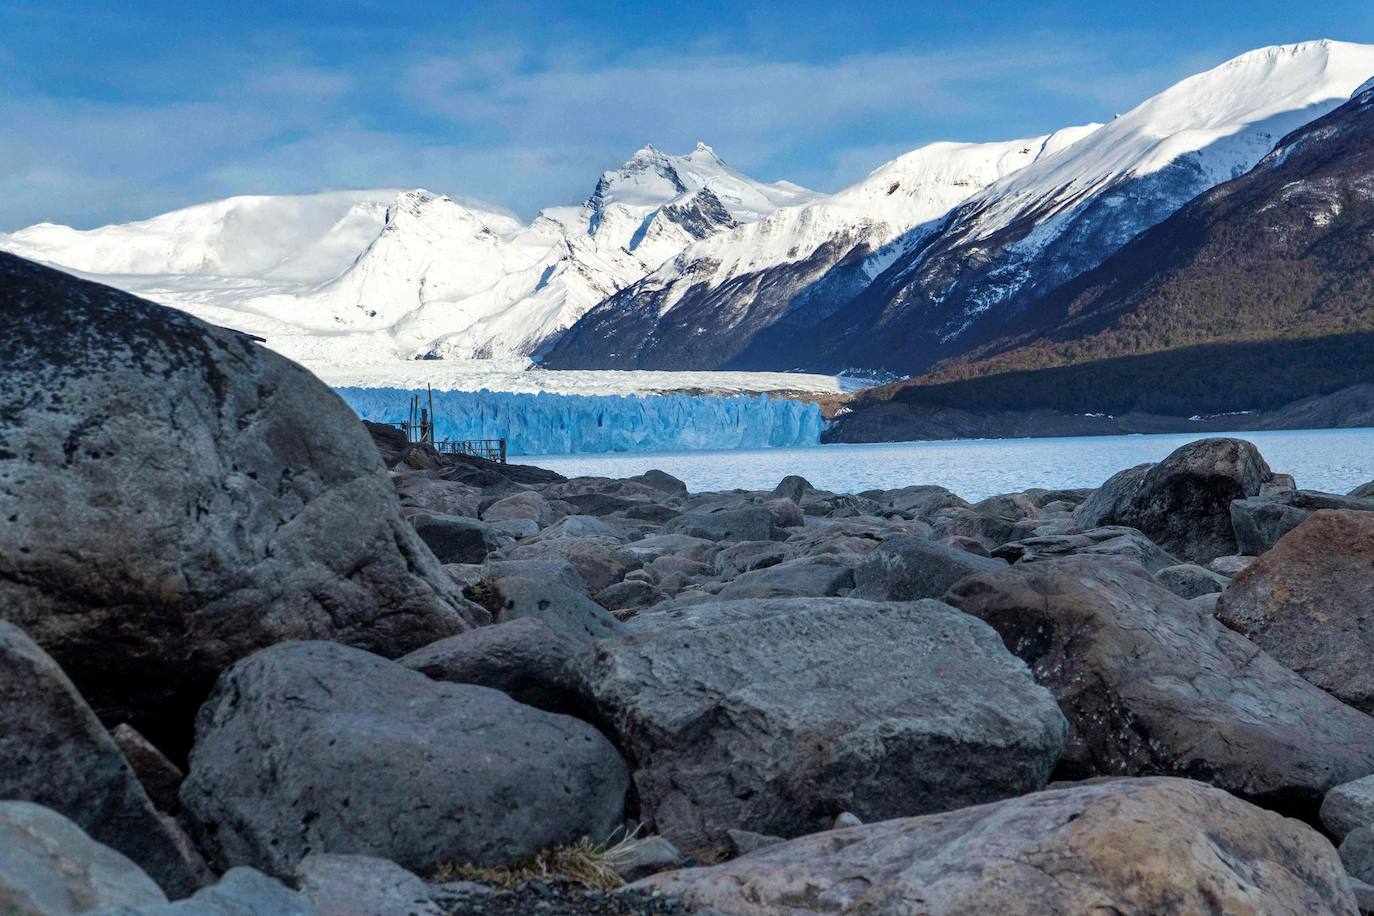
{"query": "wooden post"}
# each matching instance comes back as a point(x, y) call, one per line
point(431, 412)
point(503, 450)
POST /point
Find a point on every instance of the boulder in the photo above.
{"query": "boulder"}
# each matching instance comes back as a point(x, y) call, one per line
point(1357, 853)
point(1349, 806)
point(793, 487)
point(629, 595)
point(522, 658)
point(747, 556)
point(1111, 541)
point(316, 747)
point(661, 481)
point(54, 752)
point(527, 505)
point(1188, 580)
point(990, 530)
point(50, 867)
point(1012, 506)
point(1309, 602)
point(427, 493)
point(815, 577)
point(553, 569)
point(455, 538)
point(1151, 686)
point(174, 496)
point(580, 526)
point(1231, 566)
point(599, 561)
point(1119, 846)
point(568, 613)
point(1183, 503)
point(922, 501)
point(752, 523)
point(786, 513)
point(160, 778)
point(1111, 499)
point(644, 856)
point(340, 885)
point(1260, 521)
point(241, 892)
point(773, 716)
point(839, 505)
point(1363, 491)
point(906, 568)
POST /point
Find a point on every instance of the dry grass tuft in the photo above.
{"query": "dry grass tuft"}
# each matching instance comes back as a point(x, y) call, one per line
point(584, 863)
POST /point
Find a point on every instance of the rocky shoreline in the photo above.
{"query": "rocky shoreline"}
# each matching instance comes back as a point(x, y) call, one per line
point(259, 658)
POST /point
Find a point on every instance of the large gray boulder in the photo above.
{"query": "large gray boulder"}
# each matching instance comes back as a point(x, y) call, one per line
point(1111, 541)
point(1151, 686)
point(600, 561)
point(54, 752)
point(1348, 807)
point(815, 577)
point(456, 538)
point(174, 496)
point(1183, 503)
point(522, 658)
point(773, 716)
point(1118, 846)
point(50, 867)
point(1188, 580)
point(908, 568)
point(750, 523)
point(316, 747)
point(568, 613)
point(1309, 602)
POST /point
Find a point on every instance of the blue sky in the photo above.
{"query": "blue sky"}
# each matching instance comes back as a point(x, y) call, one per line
point(115, 111)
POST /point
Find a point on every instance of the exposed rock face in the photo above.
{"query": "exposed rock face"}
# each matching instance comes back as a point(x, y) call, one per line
point(54, 752)
point(1183, 503)
point(1309, 602)
point(1151, 686)
point(1111, 499)
point(773, 716)
point(907, 568)
point(50, 867)
point(569, 613)
point(454, 538)
point(1123, 845)
point(317, 747)
point(175, 496)
point(522, 658)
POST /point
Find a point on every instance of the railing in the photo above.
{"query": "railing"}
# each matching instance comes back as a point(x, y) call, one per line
point(490, 449)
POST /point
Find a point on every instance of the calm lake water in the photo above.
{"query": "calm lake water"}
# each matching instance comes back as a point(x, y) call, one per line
point(1334, 460)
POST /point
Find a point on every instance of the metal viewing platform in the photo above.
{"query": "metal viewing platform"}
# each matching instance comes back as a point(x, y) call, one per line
point(419, 429)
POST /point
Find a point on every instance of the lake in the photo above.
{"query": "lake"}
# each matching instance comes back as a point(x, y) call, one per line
point(1334, 460)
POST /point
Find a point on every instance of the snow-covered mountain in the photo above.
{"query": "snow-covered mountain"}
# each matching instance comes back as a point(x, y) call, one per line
point(704, 306)
point(375, 276)
point(941, 288)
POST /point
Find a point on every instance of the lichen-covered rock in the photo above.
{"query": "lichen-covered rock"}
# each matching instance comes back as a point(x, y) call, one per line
point(174, 496)
point(773, 716)
point(1151, 686)
point(316, 747)
point(1120, 846)
point(1309, 602)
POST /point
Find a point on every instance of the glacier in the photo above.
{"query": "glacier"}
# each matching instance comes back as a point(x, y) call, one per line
point(561, 424)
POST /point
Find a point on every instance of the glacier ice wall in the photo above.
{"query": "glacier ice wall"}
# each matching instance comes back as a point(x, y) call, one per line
point(556, 424)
